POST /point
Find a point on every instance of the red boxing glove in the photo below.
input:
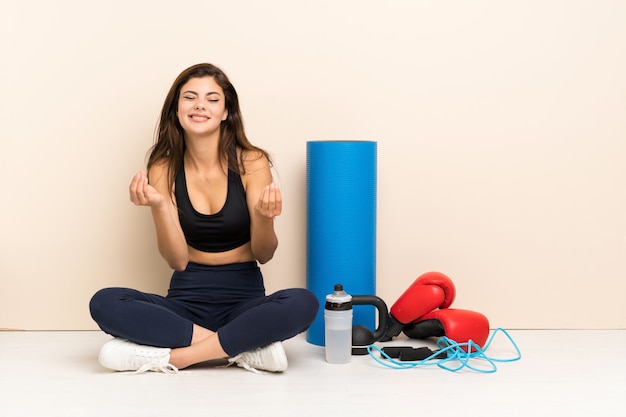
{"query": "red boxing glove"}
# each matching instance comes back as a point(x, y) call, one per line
point(428, 292)
point(456, 324)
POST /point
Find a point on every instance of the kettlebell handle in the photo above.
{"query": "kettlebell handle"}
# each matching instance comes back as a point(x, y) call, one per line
point(383, 312)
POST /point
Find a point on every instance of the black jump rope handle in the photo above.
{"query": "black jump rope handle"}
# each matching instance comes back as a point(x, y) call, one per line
point(408, 353)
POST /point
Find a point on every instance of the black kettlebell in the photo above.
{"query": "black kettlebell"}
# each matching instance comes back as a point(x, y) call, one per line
point(361, 335)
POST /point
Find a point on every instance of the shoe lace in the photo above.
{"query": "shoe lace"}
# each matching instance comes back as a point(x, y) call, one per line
point(247, 360)
point(168, 369)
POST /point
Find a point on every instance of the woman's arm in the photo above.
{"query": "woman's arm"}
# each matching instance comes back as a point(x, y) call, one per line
point(264, 203)
point(154, 194)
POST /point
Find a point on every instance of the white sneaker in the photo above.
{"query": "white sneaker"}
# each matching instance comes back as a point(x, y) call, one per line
point(122, 355)
point(270, 358)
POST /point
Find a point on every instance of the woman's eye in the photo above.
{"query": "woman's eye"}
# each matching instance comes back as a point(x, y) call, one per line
point(214, 100)
point(188, 98)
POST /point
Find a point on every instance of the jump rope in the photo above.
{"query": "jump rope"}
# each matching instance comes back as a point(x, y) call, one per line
point(451, 356)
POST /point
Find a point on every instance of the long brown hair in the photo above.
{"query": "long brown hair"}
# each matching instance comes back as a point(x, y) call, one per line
point(169, 143)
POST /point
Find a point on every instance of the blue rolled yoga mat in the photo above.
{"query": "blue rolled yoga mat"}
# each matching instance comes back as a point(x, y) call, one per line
point(341, 225)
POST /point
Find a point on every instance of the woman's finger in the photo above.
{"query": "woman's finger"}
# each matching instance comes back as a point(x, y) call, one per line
point(278, 205)
point(137, 189)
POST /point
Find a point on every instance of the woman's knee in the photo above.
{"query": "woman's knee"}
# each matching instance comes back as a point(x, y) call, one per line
point(102, 301)
point(304, 303)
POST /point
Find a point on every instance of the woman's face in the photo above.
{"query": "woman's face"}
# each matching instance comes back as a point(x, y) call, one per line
point(201, 107)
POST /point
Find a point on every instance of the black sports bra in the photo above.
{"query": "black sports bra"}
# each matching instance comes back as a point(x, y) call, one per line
point(227, 229)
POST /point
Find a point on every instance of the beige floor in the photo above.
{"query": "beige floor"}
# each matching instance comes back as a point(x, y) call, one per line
point(561, 373)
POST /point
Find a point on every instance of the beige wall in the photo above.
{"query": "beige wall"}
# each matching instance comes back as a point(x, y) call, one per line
point(500, 126)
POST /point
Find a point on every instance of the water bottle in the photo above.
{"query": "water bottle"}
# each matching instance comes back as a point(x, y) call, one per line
point(338, 326)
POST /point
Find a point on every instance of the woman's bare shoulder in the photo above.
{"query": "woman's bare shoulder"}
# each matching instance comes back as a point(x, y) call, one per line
point(158, 173)
point(252, 161)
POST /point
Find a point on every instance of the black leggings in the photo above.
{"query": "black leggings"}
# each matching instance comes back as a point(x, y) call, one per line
point(228, 299)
